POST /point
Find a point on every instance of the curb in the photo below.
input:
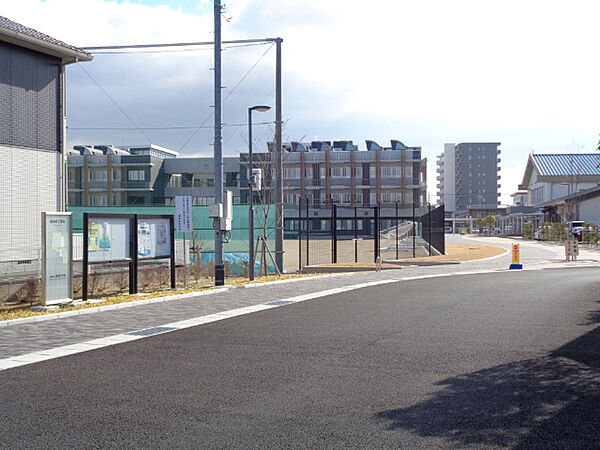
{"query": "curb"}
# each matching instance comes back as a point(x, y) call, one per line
point(52, 316)
point(131, 304)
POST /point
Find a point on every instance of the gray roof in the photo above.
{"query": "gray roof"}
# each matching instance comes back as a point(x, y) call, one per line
point(562, 164)
point(28, 37)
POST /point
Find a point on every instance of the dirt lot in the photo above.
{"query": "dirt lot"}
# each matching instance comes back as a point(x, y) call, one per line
point(463, 252)
point(455, 253)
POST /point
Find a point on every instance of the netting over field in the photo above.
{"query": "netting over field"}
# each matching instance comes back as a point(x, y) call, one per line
point(108, 97)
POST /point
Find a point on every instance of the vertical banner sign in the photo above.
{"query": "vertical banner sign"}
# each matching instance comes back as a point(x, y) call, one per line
point(184, 222)
point(57, 258)
point(516, 257)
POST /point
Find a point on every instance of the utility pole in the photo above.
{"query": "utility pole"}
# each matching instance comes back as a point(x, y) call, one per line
point(218, 150)
point(279, 162)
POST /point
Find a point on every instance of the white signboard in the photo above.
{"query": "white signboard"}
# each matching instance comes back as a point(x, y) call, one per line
point(184, 220)
point(109, 239)
point(154, 238)
point(57, 257)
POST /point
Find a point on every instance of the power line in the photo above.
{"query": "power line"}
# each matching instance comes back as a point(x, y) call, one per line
point(178, 44)
point(115, 103)
point(193, 127)
point(227, 96)
point(140, 52)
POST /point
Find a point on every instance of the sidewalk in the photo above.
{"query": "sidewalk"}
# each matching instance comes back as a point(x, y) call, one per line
point(34, 336)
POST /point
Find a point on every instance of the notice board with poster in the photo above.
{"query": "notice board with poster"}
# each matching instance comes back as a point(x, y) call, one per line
point(109, 239)
point(57, 258)
point(153, 237)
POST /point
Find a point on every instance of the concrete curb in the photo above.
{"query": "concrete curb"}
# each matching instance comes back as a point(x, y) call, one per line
point(77, 312)
point(131, 304)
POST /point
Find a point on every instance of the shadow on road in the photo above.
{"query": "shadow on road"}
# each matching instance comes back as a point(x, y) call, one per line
point(547, 402)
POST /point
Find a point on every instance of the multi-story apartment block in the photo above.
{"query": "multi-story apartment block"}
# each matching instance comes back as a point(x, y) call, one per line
point(467, 176)
point(325, 172)
point(195, 176)
point(104, 175)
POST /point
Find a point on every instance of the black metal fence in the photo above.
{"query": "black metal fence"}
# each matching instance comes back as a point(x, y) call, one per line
point(433, 228)
point(330, 233)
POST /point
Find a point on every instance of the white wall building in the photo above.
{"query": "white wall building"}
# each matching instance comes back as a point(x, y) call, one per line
point(32, 134)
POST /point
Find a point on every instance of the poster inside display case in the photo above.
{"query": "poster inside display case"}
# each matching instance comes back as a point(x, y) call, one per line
point(154, 238)
point(109, 239)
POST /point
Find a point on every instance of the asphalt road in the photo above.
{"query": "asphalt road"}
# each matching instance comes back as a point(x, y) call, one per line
point(507, 359)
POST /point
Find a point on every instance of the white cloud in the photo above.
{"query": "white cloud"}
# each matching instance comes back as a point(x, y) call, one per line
point(427, 72)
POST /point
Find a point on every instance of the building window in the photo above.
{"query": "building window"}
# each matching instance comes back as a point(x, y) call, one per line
point(203, 200)
point(294, 172)
point(97, 175)
point(97, 199)
point(339, 172)
point(232, 179)
point(291, 199)
point(358, 172)
point(136, 175)
point(391, 171)
point(372, 172)
point(116, 199)
point(204, 182)
point(116, 175)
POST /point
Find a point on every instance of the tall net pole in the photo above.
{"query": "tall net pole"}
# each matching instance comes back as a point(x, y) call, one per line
point(279, 164)
point(218, 150)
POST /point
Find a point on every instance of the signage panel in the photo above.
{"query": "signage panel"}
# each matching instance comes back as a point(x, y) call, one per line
point(57, 257)
point(184, 221)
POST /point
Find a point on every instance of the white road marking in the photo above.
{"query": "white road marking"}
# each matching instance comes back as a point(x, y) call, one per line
point(44, 355)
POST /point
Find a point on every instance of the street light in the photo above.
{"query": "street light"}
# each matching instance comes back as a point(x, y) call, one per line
point(251, 257)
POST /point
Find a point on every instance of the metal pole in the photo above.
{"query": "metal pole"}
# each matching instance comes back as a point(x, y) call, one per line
point(355, 234)
point(376, 230)
point(173, 273)
point(414, 232)
point(334, 233)
point(307, 233)
point(250, 202)
point(396, 230)
point(84, 279)
point(429, 226)
point(185, 266)
point(218, 150)
point(279, 181)
point(299, 233)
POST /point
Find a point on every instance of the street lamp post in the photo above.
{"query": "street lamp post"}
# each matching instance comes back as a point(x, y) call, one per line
point(251, 257)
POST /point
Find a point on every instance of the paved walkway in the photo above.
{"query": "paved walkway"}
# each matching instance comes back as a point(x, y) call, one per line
point(24, 338)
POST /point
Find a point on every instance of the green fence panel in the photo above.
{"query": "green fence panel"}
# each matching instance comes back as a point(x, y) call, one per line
point(203, 234)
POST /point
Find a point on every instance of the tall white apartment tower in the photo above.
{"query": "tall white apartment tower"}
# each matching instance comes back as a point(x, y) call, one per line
point(446, 178)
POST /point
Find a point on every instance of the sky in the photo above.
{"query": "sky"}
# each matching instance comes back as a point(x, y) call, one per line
point(523, 73)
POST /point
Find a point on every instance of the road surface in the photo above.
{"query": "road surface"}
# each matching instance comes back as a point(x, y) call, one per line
point(507, 359)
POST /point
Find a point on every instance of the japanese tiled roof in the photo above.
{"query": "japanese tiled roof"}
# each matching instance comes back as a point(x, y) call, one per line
point(17, 27)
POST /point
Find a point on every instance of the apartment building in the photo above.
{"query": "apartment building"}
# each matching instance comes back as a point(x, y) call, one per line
point(468, 176)
point(105, 175)
point(195, 176)
point(324, 172)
